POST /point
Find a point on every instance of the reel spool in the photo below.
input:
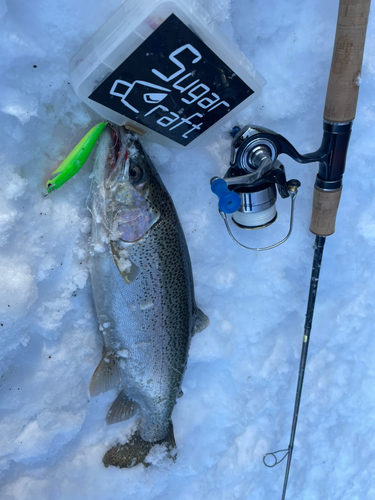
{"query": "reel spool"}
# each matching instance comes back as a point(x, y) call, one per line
point(258, 207)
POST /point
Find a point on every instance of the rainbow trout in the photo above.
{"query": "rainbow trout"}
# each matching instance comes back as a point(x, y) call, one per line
point(144, 295)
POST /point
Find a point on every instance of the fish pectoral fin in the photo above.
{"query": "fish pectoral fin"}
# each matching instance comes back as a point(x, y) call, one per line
point(201, 322)
point(128, 270)
point(106, 376)
point(122, 408)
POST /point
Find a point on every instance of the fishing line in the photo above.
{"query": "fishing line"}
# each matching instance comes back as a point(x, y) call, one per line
point(71, 139)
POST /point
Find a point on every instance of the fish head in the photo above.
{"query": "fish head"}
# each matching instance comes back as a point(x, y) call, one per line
point(123, 183)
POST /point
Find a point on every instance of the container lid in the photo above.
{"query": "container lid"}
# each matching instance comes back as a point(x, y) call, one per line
point(164, 69)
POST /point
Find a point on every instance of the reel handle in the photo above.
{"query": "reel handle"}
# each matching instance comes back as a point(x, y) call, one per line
point(229, 201)
point(345, 73)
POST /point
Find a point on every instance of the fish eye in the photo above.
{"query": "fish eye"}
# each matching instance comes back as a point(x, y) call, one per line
point(135, 173)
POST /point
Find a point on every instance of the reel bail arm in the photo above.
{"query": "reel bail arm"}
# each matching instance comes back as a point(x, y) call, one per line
point(293, 189)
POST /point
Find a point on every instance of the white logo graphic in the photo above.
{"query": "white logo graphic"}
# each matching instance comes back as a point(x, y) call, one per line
point(178, 63)
point(149, 97)
point(190, 91)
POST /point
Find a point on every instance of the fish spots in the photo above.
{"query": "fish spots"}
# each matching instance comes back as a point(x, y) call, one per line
point(154, 312)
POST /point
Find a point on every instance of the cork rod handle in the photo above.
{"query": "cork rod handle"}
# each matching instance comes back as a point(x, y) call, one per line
point(341, 100)
point(344, 78)
point(325, 206)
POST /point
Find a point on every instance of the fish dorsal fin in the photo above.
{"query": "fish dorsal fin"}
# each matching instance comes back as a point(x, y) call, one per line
point(106, 376)
point(122, 408)
point(128, 270)
point(201, 322)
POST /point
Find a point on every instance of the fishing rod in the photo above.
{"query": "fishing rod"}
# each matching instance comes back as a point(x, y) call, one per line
point(248, 189)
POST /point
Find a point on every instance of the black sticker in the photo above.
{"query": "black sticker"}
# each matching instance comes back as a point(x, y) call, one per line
point(173, 84)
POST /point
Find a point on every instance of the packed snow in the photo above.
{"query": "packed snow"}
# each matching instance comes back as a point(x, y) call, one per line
point(240, 384)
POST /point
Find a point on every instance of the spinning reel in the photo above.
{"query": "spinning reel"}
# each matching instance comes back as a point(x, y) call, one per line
point(249, 188)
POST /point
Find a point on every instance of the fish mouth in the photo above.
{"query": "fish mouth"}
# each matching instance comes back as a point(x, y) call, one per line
point(117, 159)
point(130, 215)
point(117, 142)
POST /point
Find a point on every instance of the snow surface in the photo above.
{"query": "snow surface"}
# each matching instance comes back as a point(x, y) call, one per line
point(240, 383)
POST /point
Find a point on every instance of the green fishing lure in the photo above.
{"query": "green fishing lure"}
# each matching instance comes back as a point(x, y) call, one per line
point(76, 159)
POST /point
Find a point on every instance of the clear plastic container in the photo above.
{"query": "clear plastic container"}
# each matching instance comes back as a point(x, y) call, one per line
point(164, 69)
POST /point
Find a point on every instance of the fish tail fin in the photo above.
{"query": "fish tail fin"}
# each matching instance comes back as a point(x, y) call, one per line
point(136, 450)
